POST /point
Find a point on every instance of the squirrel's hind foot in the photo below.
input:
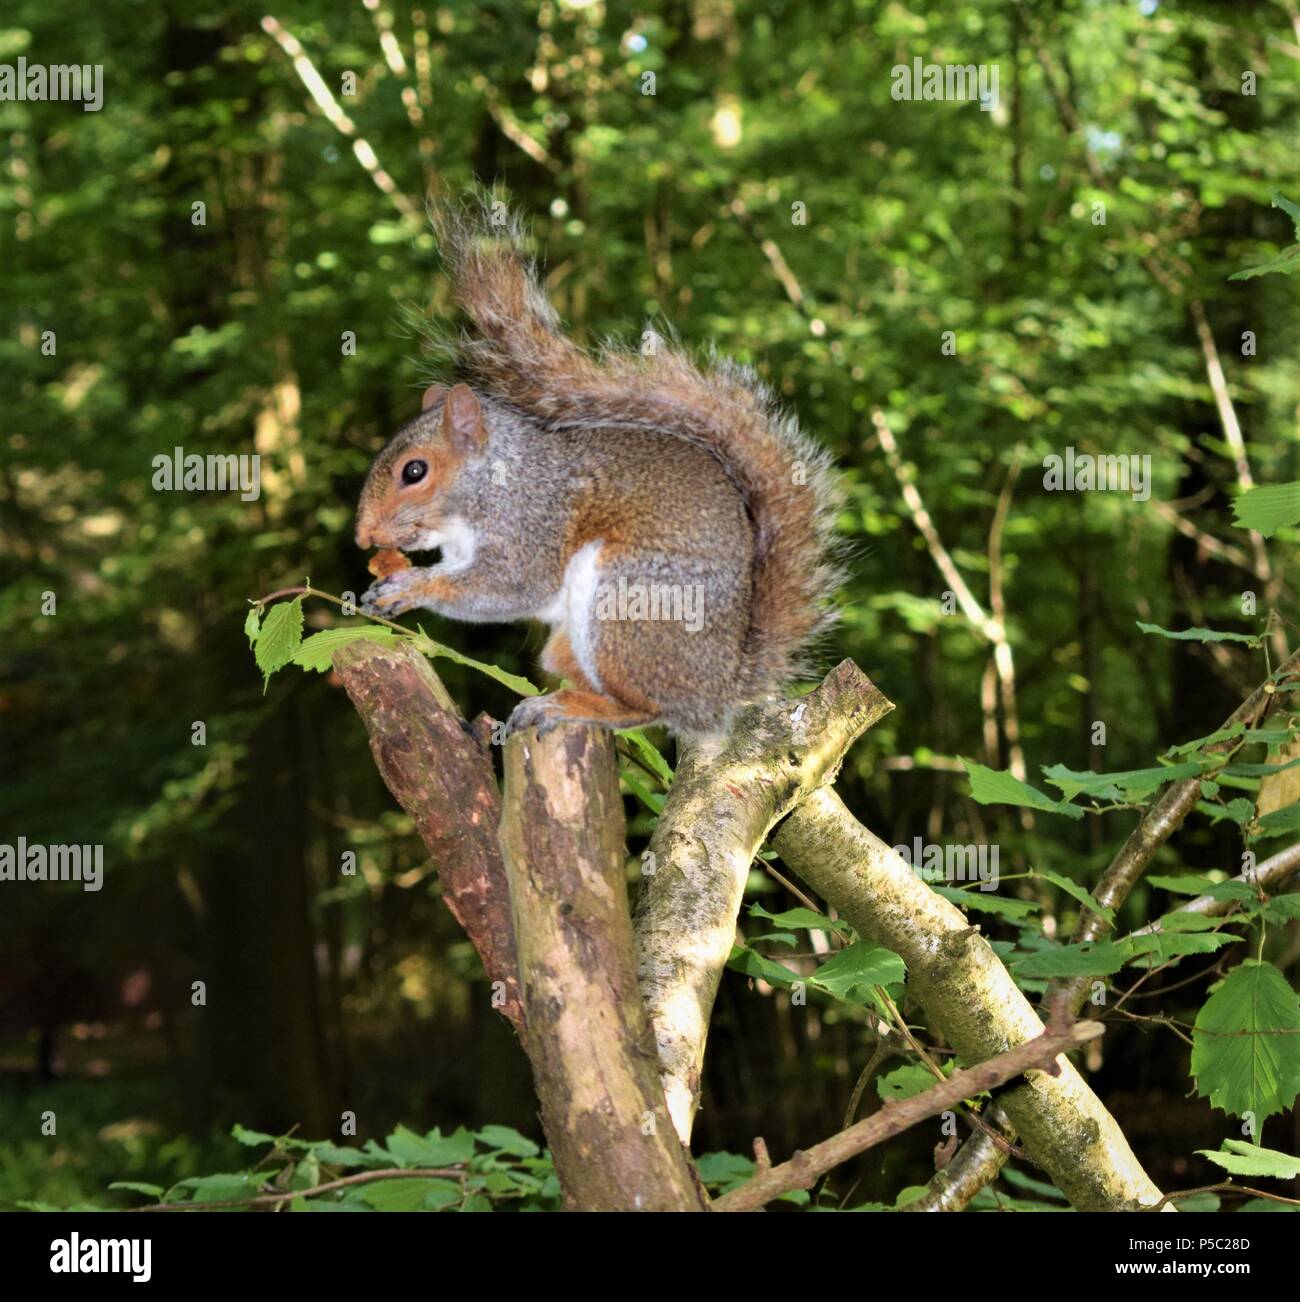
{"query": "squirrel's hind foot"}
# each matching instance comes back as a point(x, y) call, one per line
point(571, 705)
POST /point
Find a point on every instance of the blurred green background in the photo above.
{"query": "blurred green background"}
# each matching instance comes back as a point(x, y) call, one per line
point(770, 199)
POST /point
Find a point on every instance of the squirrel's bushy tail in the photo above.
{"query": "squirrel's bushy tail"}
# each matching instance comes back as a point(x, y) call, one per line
point(519, 355)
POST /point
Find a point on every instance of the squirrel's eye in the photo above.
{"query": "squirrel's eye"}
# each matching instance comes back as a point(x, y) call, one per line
point(414, 471)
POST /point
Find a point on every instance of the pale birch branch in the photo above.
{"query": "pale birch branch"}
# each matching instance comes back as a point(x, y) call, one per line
point(723, 802)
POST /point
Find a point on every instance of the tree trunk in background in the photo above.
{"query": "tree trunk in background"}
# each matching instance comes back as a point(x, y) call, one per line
point(262, 1024)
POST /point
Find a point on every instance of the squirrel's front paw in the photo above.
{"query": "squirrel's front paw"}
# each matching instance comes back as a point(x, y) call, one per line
point(390, 597)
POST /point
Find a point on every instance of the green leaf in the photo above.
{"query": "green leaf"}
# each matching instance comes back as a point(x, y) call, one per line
point(1245, 1053)
point(1130, 785)
point(1268, 508)
point(1157, 948)
point(252, 1138)
point(904, 1082)
point(1292, 210)
point(1092, 958)
point(1284, 908)
point(1202, 634)
point(1182, 920)
point(151, 1190)
point(252, 624)
point(410, 1194)
point(433, 1149)
point(993, 788)
point(219, 1188)
point(1183, 884)
point(652, 800)
point(805, 919)
point(1280, 822)
point(317, 651)
point(281, 633)
point(434, 650)
point(1019, 1180)
point(1077, 892)
point(507, 1140)
point(986, 902)
point(1239, 811)
point(333, 1155)
point(649, 754)
point(1287, 263)
point(776, 938)
point(755, 966)
point(1241, 1158)
point(860, 966)
point(726, 1169)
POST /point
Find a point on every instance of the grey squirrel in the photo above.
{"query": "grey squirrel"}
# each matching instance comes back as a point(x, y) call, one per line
point(668, 522)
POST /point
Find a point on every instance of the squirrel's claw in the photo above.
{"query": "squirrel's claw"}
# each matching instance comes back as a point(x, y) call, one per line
point(533, 711)
point(386, 597)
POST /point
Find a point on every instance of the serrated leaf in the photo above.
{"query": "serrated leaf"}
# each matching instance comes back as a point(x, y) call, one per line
point(987, 902)
point(316, 652)
point(1281, 822)
point(801, 918)
point(281, 633)
point(252, 1138)
point(904, 1082)
point(252, 625)
point(649, 754)
point(860, 966)
point(1156, 948)
point(1284, 908)
point(1239, 811)
point(1001, 788)
point(1129, 785)
point(1245, 1050)
point(333, 1155)
point(1092, 958)
point(434, 650)
point(776, 938)
point(1201, 634)
point(1287, 263)
point(755, 966)
point(1242, 1158)
point(1268, 508)
point(433, 1149)
point(1183, 884)
point(1077, 892)
point(410, 1194)
point(723, 1168)
point(507, 1140)
point(1183, 920)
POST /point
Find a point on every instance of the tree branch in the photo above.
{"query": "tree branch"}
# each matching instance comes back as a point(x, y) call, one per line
point(442, 776)
point(807, 1166)
point(587, 1035)
point(968, 996)
point(723, 802)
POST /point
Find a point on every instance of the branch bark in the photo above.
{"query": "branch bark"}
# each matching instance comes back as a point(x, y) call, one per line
point(806, 1167)
point(968, 996)
point(441, 774)
point(587, 1035)
point(723, 802)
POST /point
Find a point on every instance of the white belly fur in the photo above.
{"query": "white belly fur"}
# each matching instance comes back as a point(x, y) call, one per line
point(573, 608)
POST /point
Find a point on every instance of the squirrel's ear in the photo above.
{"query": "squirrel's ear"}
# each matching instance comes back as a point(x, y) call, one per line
point(431, 395)
point(462, 418)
